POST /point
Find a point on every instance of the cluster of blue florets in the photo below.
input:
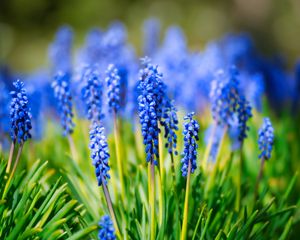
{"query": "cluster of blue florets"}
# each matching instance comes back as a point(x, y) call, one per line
point(99, 153)
point(91, 94)
point(244, 114)
point(190, 133)
point(107, 231)
point(266, 139)
point(150, 107)
point(113, 84)
point(224, 96)
point(170, 124)
point(20, 117)
point(62, 92)
point(257, 75)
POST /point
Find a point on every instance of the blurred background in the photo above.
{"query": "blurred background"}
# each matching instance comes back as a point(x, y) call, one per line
point(28, 26)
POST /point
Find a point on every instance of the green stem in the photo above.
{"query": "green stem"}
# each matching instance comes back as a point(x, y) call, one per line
point(259, 177)
point(198, 222)
point(173, 170)
point(174, 190)
point(161, 157)
point(161, 179)
point(139, 146)
point(239, 180)
point(208, 147)
point(160, 200)
point(186, 204)
point(118, 144)
point(13, 170)
point(216, 167)
point(11, 153)
point(152, 201)
point(110, 208)
point(72, 148)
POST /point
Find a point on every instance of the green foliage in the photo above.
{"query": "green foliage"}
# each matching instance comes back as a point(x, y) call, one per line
point(61, 199)
point(34, 208)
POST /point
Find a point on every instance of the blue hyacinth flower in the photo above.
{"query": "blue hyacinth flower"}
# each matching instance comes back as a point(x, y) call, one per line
point(107, 231)
point(4, 110)
point(170, 123)
point(99, 153)
point(190, 133)
point(224, 96)
point(91, 94)
point(113, 81)
point(151, 30)
point(60, 50)
point(150, 108)
point(266, 139)
point(20, 116)
point(244, 113)
point(62, 93)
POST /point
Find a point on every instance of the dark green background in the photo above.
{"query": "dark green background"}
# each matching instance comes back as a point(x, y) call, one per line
point(27, 26)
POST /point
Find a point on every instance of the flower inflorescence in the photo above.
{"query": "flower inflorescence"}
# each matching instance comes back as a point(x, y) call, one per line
point(244, 113)
point(107, 231)
point(170, 124)
point(151, 29)
point(224, 96)
point(99, 153)
point(4, 110)
point(113, 83)
point(60, 50)
point(62, 93)
point(266, 139)
point(91, 94)
point(150, 107)
point(20, 117)
point(190, 133)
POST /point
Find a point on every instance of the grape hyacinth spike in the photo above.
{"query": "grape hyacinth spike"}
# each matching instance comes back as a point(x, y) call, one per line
point(113, 84)
point(20, 116)
point(91, 94)
point(266, 139)
point(190, 132)
point(107, 231)
point(62, 93)
point(99, 153)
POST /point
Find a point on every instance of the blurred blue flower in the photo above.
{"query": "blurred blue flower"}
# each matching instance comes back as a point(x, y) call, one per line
point(113, 88)
point(234, 133)
point(107, 231)
point(20, 117)
point(244, 113)
point(173, 60)
point(151, 30)
point(296, 101)
point(37, 86)
point(62, 92)
point(190, 133)
point(224, 96)
point(60, 51)
point(216, 140)
point(238, 50)
point(4, 110)
point(91, 94)
point(266, 139)
point(170, 123)
point(99, 153)
point(278, 83)
point(91, 53)
point(253, 87)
